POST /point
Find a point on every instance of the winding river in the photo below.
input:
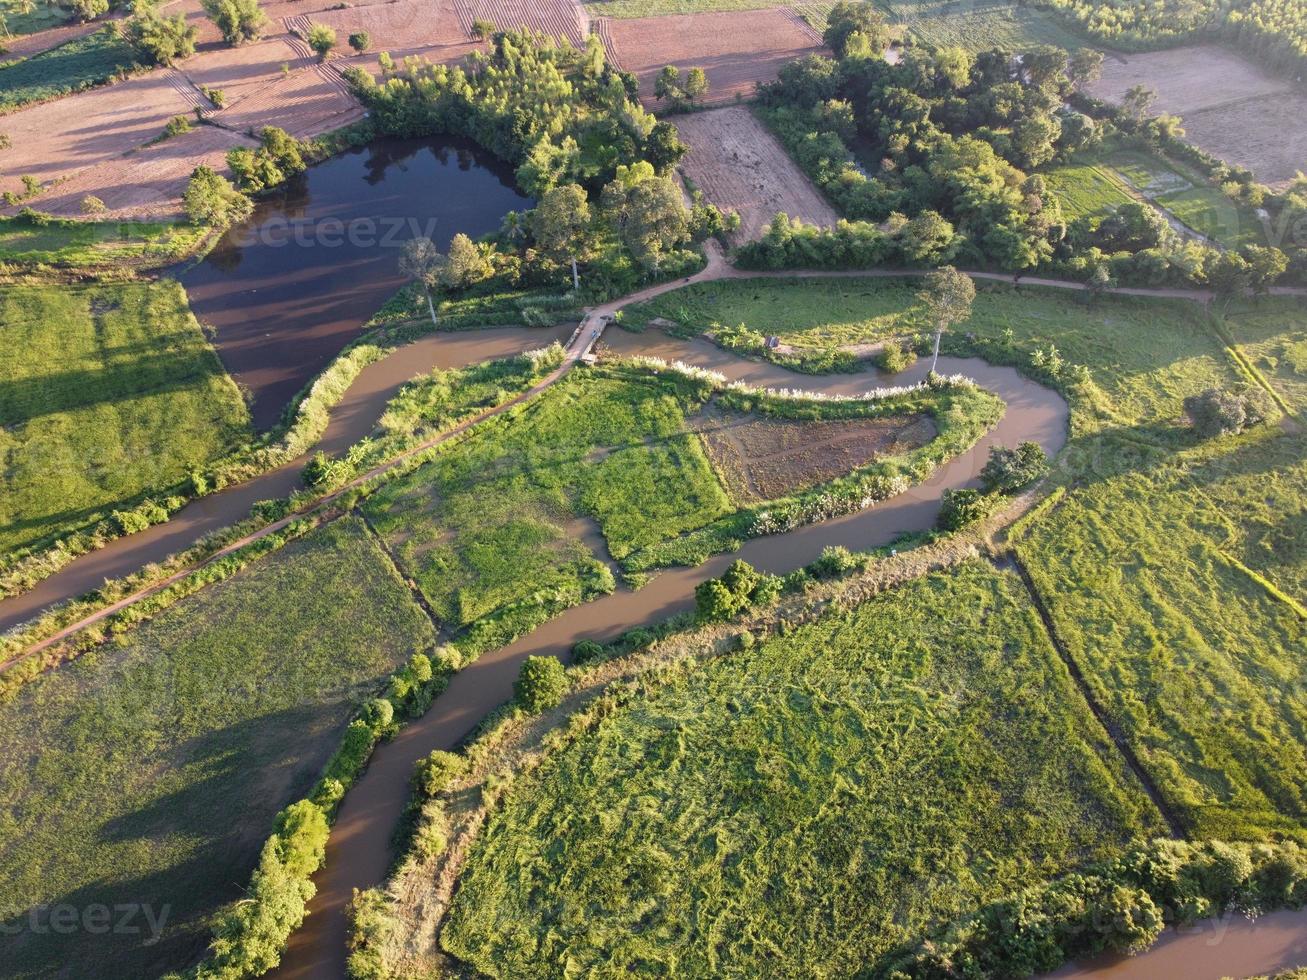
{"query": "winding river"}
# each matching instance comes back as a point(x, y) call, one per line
point(281, 313)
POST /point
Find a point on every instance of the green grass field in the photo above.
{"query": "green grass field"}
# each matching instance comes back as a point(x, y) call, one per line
point(802, 808)
point(78, 64)
point(1202, 207)
point(1272, 334)
point(1087, 189)
point(978, 25)
point(149, 771)
point(83, 244)
point(106, 392)
point(495, 522)
point(1124, 340)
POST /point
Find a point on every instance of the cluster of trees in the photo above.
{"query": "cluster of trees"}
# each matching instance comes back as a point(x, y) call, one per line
point(540, 685)
point(1008, 471)
point(680, 93)
point(955, 135)
point(1120, 906)
point(609, 211)
point(278, 156)
point(1272, 31)
point(162, 39)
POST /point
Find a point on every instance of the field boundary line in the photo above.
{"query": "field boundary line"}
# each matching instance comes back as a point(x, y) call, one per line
point(1273, 590)
point(1110, 727)
point(418, 596)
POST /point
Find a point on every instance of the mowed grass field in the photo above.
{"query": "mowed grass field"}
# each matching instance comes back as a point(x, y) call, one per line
point(494, 523)
point(106, 393)
point(72, 66)
point(150, 770)
point(802, 808)
point(814, 12)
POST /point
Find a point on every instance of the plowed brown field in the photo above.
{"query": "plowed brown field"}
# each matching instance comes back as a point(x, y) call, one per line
point(739, 165)
point(305, 103)
point(431, 29)
point(148, 183)
point(1230, 107)
point(736, 48)
point(557, 18)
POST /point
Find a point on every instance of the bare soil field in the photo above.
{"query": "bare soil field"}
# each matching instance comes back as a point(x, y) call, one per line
point(305, 103)
point(240, 72)
point(558, 18)
point(430, 29)
point(149, 182)
point(739, 165)
point(1230, 106)
point(764, 459)
point(56, 139)
point(736, 48)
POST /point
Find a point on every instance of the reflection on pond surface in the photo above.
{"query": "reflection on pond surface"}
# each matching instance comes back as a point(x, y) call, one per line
point(287, 289)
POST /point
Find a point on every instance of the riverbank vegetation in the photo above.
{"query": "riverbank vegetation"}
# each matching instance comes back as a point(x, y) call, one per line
point(106, 393)
point(149, 770)
point(851, 782)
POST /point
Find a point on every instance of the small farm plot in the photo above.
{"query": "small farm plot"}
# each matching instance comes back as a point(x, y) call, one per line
point(736, 49)
point(148, 183)
point(81, 61)
point(977, 25)
point(804, 807)
point(55, 140)
point(305, 103)
point(739, 165)
point(1231, 107)
point(768, 458)
point(240, 71)
point(149, 771)
point(562, 19)
point(106, 393)
point(427, 29)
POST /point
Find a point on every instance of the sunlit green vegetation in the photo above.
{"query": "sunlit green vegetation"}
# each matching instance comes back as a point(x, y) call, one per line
point(813, 11)
point(978, 26)
point(804, 807)
point(494, 526)
point(1086, 189)
point(88, 244)
point(1193, 201)
point(106, 393)
point(30, 17)
point(1146, 355)
point(77, 64)
point(149, 770)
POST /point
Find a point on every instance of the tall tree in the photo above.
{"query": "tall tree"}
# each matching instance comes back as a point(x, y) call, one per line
point(238, 20)
point(561, 224)
point(947, 296)
point(422, 262)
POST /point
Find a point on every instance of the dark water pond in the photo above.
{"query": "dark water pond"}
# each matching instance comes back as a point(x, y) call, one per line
point(286, 290)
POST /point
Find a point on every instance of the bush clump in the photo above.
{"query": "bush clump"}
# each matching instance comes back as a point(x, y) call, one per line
point(1009, 470)
point(962, 508)
point(540, 684)
point(1215, 412)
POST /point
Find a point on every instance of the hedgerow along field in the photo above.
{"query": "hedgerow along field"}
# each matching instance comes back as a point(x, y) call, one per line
point(150, 770)
point(107, 392)
point(806, 806)
point(77, 64)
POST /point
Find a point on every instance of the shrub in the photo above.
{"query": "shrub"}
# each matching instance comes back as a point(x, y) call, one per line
point(834, 560)
point(92, 205)
point(541, 684)
point(157, 39)
point(360, 41)
point(378, 714)
point(895, 357)
point(176, 126)
point(211, 199)
point(1214, 412)
point(586, 651)
point(1008, 470)
point(962, 508)
point(436, 772)
point(637, 639)
point(321, 39)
